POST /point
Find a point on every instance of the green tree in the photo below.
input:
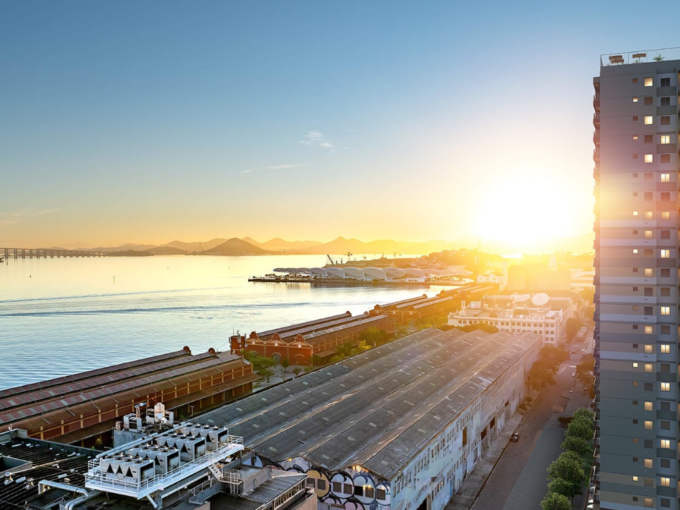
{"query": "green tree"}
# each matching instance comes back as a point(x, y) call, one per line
point(584, 371)
point(297, 371)
point(553, 357)
point(374, 337)
point(539, 377)
point(581, 427)
point(573, 326)
point(554, 501)
point(481, 326)
point(266, 373)
point(567, 489)
point(584, 413)
point(578, 445)
point(285, 363)
point(568, 468)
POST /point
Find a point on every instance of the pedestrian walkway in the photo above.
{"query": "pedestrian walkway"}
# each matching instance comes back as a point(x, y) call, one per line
point(474, 483)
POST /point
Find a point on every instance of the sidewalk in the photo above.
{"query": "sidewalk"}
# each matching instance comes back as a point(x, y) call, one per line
point(474, 484)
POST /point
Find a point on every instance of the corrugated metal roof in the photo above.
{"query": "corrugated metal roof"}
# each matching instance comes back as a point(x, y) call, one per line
point(380, 412)
point(270, 332)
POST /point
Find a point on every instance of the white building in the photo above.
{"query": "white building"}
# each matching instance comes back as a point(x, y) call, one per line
point(495, 278)
point(539, 314)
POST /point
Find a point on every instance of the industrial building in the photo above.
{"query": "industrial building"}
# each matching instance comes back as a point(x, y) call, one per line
point(387, 274)
point(540, 314)
point(636, 281)
point(186, 467)
point(399, 426)
point(320, 338)
point(83, 407)
point(414, 310)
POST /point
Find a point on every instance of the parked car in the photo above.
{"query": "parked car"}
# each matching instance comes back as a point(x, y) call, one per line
point(514, 437)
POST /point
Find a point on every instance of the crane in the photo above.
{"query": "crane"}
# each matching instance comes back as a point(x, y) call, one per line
point(329, 258)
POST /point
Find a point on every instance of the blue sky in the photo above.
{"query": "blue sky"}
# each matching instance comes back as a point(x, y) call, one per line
point(150, 121)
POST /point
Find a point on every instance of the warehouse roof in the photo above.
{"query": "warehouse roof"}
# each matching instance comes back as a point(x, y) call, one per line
point(291, 327)
point(377, 409)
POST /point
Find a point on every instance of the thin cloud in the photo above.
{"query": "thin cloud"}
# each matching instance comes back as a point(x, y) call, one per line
point(12, 218)
point(317, 139)
point(273, 167)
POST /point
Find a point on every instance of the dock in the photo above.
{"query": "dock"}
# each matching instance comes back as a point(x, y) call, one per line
point(358, 283)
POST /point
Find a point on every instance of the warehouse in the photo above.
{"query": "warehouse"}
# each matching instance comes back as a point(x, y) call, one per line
point(319, 338)
point(399, 426)
point(84, 407)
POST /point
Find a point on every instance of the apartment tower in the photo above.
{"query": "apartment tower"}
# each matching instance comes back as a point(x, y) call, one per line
point(636, 278)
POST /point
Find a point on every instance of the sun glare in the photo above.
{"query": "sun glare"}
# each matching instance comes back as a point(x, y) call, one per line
point(524, 211)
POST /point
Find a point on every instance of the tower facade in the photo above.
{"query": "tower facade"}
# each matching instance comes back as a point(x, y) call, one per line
point(636, 279)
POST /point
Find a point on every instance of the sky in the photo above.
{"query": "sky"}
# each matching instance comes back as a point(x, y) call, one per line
point(151, 121)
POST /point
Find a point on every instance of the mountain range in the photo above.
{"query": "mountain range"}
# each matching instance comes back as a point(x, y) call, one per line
point(341, 245)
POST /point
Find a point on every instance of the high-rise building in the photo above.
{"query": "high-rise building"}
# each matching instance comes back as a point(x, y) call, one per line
point(636, 279)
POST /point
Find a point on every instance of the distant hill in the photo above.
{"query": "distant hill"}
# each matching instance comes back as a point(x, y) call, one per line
point(357, 247)
point(166, 250)
point(195, 246)
point(278, 244)
point(124, 247)
point(236, 247)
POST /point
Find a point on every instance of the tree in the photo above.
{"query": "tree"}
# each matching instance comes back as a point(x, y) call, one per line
point(285, 363)
point(373, 337)
point(583, 413)
point(568, 468)
point(578, 445)
point(266, 373)
point(297, 371)
point(539, 377)
point(567, 489)
point(581, 427)
point(554, 501)
point(584, 371)
point(573, 326)
point(553, 357)
point(481, 326)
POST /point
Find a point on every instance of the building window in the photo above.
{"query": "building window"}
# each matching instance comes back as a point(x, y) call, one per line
point(665, 254)
point(649, 158)
point(635, 250)
point(665, 482)
point(665, 120)
point(635, 99)
point(649, 254)
point(649, 139)
point(635, 213)
point(635, 478)
point(649, 368)
point(649, 215)
point(665, 273)
point(665, 139)
point(665, 310)
point(665, 82)
point(649, 349)
point(665, 101)
point(665, 215)
point(649, 386)
point(665, 234)
point(635, 137)
point(665, 177)
point(649, 463)
point(649, 425)
point(649, 310)
point(649, 101)
point(649, 82)
point(635, 365)
point(649, 406)
point(635, 156)
point(665, 330)
point(665, 197)
point(665, 158)
point(649, 330)
point(665, 386)
point(665, 349)
point(649, 272)
point(649, 502)
point(649, 234)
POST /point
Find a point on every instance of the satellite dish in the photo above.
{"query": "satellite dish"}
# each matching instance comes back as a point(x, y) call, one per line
point(540, 299)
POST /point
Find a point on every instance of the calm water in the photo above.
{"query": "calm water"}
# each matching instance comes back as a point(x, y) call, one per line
point(61, 316)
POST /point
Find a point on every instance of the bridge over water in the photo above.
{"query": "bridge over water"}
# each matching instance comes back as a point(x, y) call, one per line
point(45, 253)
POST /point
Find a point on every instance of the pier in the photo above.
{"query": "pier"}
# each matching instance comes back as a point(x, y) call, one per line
point(44, 253)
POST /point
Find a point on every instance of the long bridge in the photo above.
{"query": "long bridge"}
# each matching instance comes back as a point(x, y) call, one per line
point(45, 253)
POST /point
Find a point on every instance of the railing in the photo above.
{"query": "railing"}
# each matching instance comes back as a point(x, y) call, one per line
point(638, 57)
point(95, 479)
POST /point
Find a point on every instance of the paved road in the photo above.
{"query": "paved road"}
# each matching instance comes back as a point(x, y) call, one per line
point(504, 477)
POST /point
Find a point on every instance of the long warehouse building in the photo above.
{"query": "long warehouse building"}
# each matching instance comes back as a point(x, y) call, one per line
point(399, 426)
point(82, 407)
